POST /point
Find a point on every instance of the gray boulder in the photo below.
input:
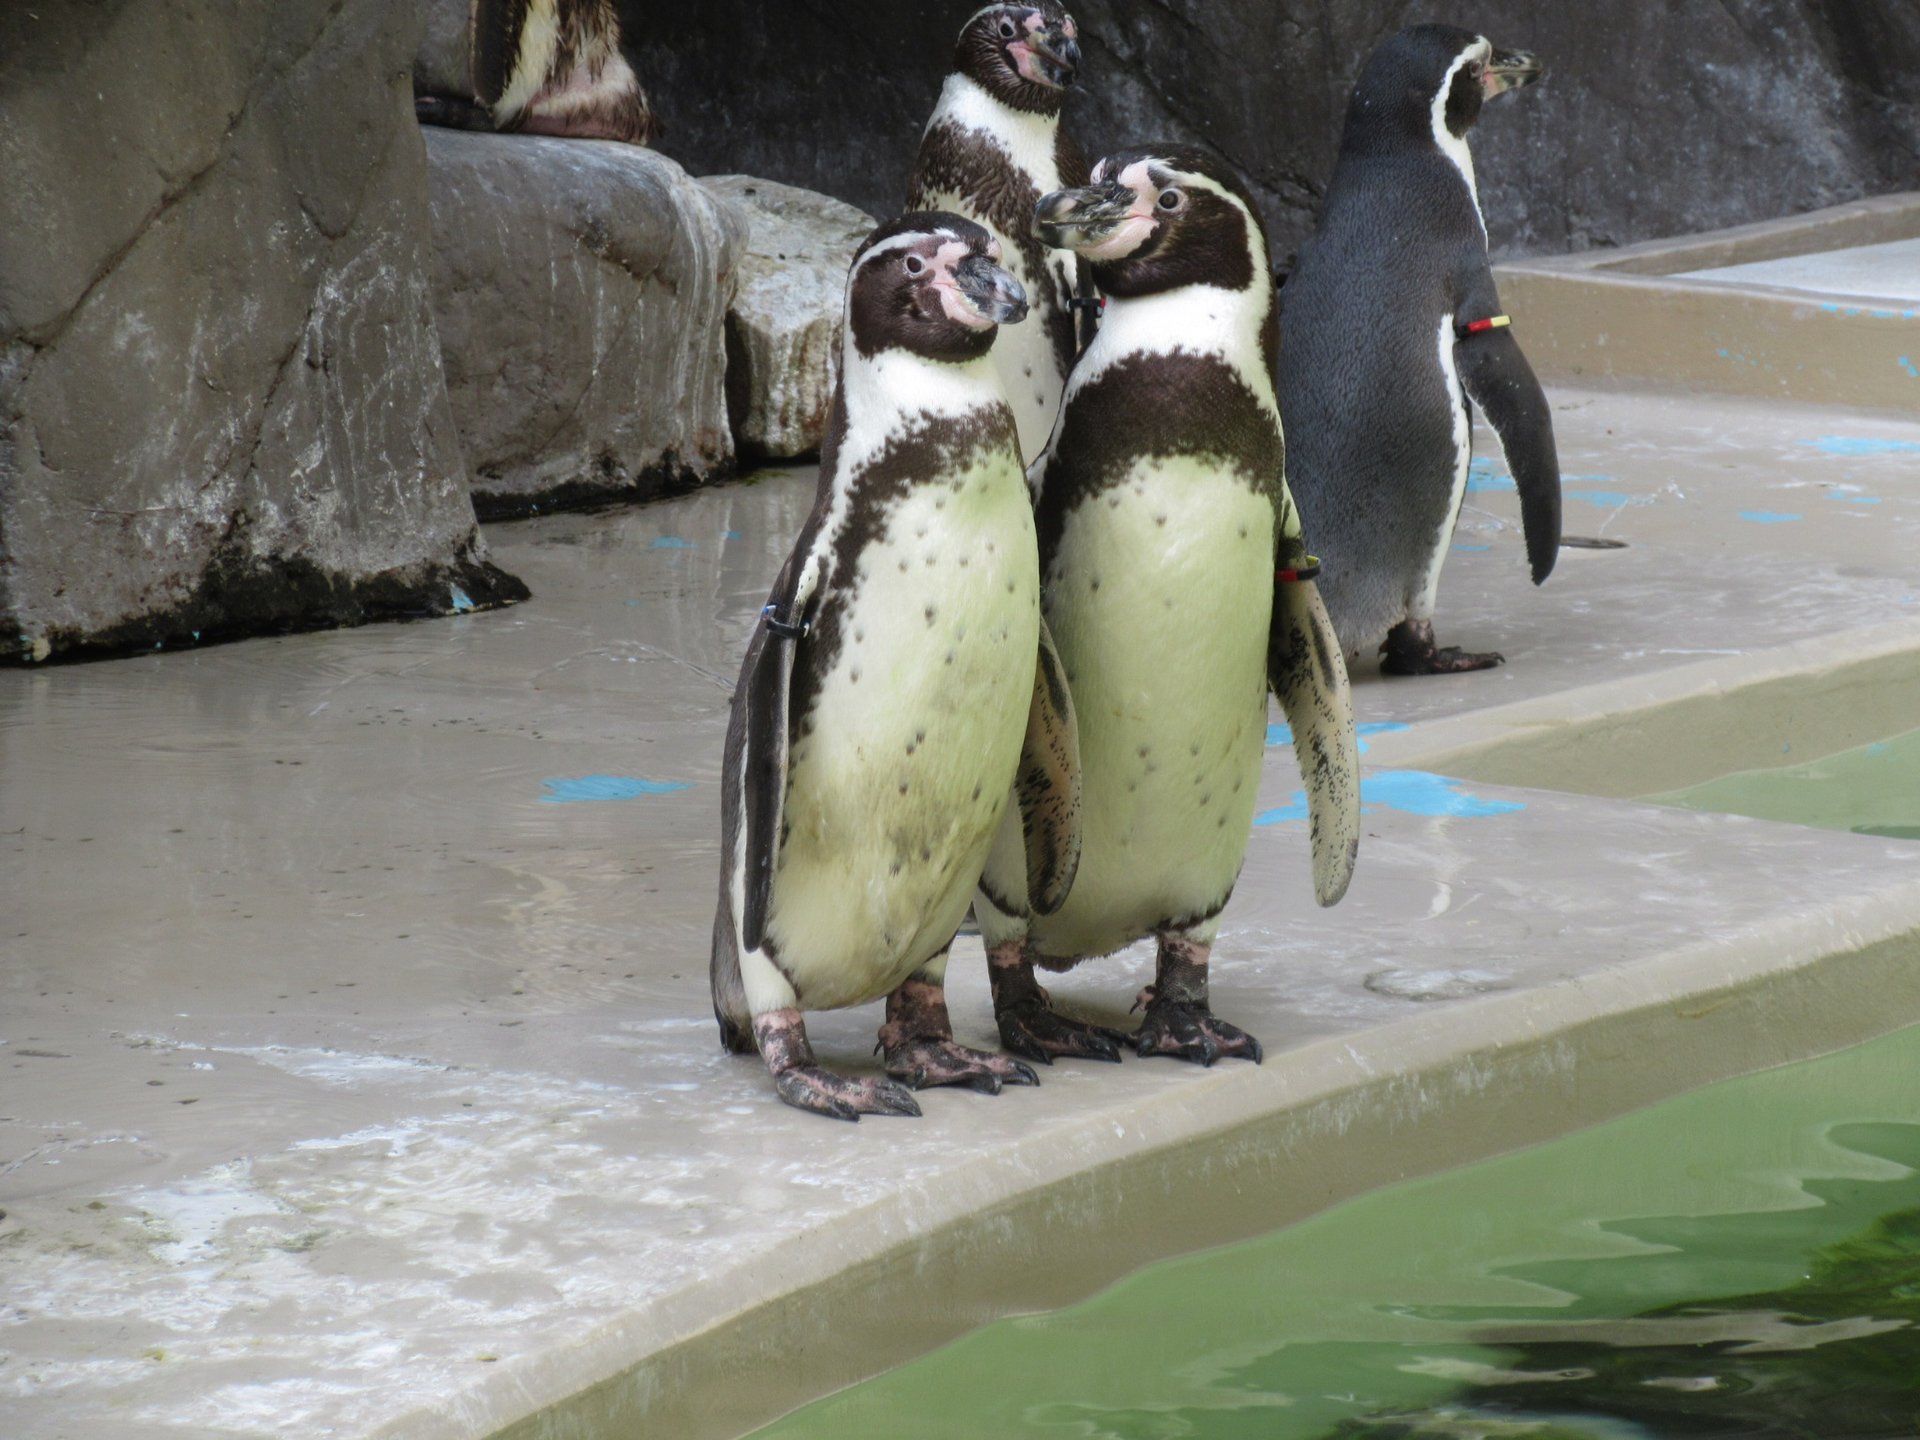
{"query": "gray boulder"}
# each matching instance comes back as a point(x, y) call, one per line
point(783, 332)
point(221, 402)
point(581, 291)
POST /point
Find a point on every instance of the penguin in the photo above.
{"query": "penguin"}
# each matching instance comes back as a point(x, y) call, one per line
point(1390, 327)
point(898, 695)
point(551, 67)
point(1176, 583)
point(991, 149)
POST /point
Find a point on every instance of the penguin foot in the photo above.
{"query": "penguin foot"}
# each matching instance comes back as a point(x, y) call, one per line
point(782, 1038)
point(929, 1060)
point(1033, 1028)
point(808, 1087)
point(1191, 1032)
point(1409, 650)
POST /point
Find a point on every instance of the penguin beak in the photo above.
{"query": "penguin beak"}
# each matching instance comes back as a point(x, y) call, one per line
point(1056, 53)
point(1049, 55)
point(1083, 219)
point(1509, 70)
point(991, 292)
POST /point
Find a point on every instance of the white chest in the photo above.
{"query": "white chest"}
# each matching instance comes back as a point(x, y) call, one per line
point(896, 787)
point(1160, 600)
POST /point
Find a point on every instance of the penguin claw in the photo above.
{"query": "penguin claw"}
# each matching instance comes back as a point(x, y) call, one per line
point(932, 1061)
point(1191, 1032)
point(840, 1097)
point(1035, 1030)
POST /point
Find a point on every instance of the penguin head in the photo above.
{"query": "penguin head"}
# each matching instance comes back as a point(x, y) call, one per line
point(1022, 55)
point(1428, 83)
point(1158, 218)
point(930, 283)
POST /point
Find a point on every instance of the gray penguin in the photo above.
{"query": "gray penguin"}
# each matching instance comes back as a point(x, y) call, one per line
point(1390, 325)
point(992, 147)
point(898, 695)
point(1175, 579)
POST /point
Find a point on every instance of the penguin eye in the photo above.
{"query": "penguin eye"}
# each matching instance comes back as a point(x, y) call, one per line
point(1007, 28)
point(915, 265)
point(1171, 200)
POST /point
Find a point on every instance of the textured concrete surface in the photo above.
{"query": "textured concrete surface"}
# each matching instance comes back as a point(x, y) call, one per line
point(581, 289)
point(1711, 311)
point(783, 327)
point(221, 404)
point(358, 1076)
point(1887, 271)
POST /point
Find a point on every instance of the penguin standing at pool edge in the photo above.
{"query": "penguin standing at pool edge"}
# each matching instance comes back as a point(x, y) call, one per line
point(1176, 582)
point(899, 693)
point(991, 149)
point(1390, 325)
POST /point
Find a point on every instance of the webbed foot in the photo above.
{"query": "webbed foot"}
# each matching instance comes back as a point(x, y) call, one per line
point(1033, 1028)
point(808, 1087)
point(1409, 650)
point(1190, 1031)
point(782, 1038)
point(926, 1061)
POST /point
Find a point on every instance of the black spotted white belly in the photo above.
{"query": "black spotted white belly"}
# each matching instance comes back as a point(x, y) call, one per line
point(927, 689)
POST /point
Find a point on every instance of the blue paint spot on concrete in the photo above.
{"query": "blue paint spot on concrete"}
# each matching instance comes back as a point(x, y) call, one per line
point(1879, 747)
point(1604, 499)
point(1418, 792)
point(1726, 354)
point(732, 535)
point(1471, 549)
point(1283, 734)
point(671, 542)
point(462, 602)
point(1482, 476)
point(1856, 445)
point(1413, 792)
point(1767, 517)
point(1848, 498)
point(1906, 364)
point(566, 789)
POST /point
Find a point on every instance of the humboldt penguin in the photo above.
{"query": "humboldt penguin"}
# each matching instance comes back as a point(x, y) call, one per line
point(898, 695)
point(1177, 585)
point(551, 67)
point(991, 149)
point(1390, 326)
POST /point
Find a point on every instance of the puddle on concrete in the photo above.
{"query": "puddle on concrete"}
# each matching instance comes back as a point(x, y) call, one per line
point(1743, 1261)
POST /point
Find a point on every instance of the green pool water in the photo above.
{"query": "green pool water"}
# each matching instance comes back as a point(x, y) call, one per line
point(1743, 1261)
point(1871, 790)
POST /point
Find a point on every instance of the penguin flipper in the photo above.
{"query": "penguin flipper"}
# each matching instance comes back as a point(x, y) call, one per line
point(766, 688)
point(1047, 786)
point(1497, 378)
point(1309, 677)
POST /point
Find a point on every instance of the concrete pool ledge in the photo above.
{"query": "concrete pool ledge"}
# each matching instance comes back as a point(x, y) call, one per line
point(1656, 313)
point(1667, 729)
point(1219, 1157)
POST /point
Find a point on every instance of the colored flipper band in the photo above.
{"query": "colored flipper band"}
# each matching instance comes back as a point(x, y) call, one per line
point(1480, 327)
point(1095, 303)
point(1305, 570)
point(784, 629)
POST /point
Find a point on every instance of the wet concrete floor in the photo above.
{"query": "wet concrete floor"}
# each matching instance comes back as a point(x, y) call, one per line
point(356, 1068)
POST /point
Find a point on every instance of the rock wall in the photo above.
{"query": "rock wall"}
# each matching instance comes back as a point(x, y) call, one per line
point(1654, 119)
point(581, 289)
point(221, 402)
point(783, 329)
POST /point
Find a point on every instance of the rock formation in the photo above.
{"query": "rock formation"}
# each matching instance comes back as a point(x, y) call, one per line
point(221, 402)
